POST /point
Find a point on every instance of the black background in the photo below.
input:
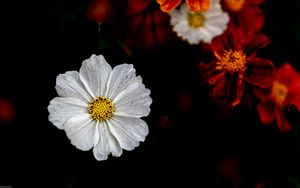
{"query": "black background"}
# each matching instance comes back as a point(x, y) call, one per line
point(36, 48)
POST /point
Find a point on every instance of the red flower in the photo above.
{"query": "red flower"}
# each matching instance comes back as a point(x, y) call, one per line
point(236, 65)
point(7, 111)
point(194, 5)
point(148, 27)
point(246, 13)
point(99, 11)
point(285, 90)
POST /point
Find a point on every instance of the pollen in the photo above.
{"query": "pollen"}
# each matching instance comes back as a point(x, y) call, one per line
point(279, 92)
point(101, 108)
point(232, 61)
point(235, 5)
point(196, 19)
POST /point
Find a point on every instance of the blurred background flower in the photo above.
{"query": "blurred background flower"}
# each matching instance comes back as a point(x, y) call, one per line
point(190, 133)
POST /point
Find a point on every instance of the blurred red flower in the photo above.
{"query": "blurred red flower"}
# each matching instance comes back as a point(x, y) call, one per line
point(245, 13)
point(99, 11)
point(236, 65)
point(285, 90)
point(7, 111)
point(148, 27)
point(229, 170)
point(194, 5)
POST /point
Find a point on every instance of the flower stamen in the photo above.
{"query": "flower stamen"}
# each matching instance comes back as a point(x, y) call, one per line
point(101, 108)
point(196, 19)
point(232, 61)
point(279, 92)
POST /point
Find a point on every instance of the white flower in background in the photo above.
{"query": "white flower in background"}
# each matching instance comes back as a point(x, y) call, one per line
point(199, 26)
point(100, 107)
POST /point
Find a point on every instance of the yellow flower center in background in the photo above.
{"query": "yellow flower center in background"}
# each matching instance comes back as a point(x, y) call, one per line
point(235, 5)
point(232, 61)
point(101, 108)
point(279, 92)
point(196, 19)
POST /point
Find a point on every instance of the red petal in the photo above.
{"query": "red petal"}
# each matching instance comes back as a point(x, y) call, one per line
point(254, 2)
point(208, 73)
point(251, 18)
point(168, 5)
point(262, 94)
point(137, 6)
point(286, 74)
point(239, 89)
point(230, 39)
point(294, 93)
point(99, 11)
point(282, 124)
point(255, 42)
point(260, 72)
point(198, 5)
point(266, 112)
point(219, 89)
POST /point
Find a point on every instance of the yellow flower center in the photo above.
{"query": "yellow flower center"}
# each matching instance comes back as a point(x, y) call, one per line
point(101, 108)
point(279, 92)
point(232, 61)
point(235, 5)
point(196, 19)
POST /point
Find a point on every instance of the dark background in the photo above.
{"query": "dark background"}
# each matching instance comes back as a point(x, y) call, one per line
point(190, 142)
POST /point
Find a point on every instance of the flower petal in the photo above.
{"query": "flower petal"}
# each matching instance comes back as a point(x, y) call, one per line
point(266, 112)
point(198, 5)
point(252, 18)
point(94, 74)
point(168, 5)
point(255, 2)
point(62, 109)
point(134, 101)
point(128, 131)
point(286, 74)
point(69, 85)
point(107, 143)
point(254, 42)
point(119, 78)
point(282, 123)
point(260, 72)
point(81, 130)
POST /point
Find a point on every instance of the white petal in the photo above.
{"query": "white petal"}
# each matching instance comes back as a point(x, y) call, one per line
point(134, 101)
point(128, 131)
point(106, 144)
point(220, 20)
point(213, 30)
point(184, 9)
point(207, 36)
point(69, 85)
point(80, 130)
point(193, 36)
point(62, 109)
point(94, 74)
point(119, 77)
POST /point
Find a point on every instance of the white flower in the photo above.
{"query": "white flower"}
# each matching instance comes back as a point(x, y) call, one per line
point(199, 26)
point(100, 107)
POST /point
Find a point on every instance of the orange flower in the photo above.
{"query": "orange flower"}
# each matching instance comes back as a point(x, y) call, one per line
point(236, 65)
point(246, 13)
point(194, 5)
point(285, 90)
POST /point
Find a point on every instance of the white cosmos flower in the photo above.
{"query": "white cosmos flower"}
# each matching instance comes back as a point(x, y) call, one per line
point(199, 26)
point(100, 107)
